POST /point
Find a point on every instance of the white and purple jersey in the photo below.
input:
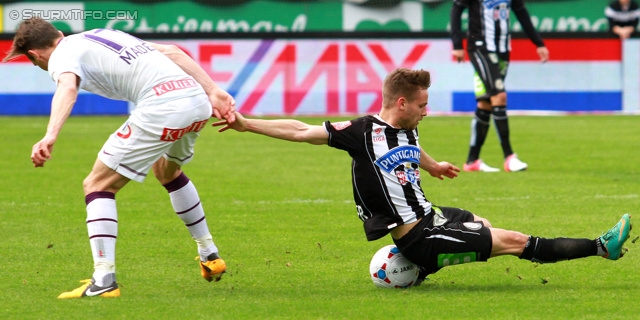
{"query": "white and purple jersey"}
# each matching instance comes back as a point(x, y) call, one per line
point(170, 107)
point(119, 66)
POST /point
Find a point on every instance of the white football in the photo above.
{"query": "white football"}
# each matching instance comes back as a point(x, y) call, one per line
point(390, 269)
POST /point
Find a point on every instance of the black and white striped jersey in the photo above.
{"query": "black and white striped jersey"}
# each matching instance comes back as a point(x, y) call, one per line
point(489, 24)
point(617, 15)
point(385, 172)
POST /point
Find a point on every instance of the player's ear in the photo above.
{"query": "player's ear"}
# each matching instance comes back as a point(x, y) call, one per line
point(32, 55)
point(401, 103)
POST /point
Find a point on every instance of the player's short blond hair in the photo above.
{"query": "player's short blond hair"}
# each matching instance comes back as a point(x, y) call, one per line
point(404, 82)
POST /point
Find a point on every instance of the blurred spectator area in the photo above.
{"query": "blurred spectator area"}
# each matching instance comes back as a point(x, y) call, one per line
point(377, 3)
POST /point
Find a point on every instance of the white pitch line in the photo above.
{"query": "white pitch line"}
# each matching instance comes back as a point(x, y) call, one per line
point(617, 196)
point(597, 196)
point(290, 201)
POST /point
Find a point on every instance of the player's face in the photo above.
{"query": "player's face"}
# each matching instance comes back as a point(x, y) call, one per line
point(415, 110)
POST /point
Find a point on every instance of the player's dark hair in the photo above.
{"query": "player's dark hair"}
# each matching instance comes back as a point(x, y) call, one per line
point(404, 82)
point(34, 33)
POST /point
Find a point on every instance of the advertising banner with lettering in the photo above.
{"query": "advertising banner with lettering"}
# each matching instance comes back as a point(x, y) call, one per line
point(285, 16)
point(344, 77)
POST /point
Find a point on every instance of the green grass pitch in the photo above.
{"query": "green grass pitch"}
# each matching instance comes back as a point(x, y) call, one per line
point(283, 217)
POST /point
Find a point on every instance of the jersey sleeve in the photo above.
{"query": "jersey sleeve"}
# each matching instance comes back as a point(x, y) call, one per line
point(455, 17)
point(65, 59)
point(345, 135)
point(609, 12)
point(635, 11)
point(524, 18)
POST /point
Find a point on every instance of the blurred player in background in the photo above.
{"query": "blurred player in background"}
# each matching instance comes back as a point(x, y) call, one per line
point(623, 17)
point(174, 98)
point(489, 44)
point(386, 162)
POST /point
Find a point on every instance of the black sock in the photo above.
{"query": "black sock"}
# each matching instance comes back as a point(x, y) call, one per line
point(552, 250)
point(479, 129)
point(502, 126)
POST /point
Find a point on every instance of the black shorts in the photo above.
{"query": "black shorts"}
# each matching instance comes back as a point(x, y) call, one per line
point(447, 236)
point(490, 72)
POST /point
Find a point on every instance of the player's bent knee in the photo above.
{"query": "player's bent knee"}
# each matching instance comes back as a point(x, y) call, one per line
point(107, 180)
point(90, 183)
point(517, 239)
point(166, 178)
point(507, 242)
point(484, 105)
point(86, 185)
point(484, 221)
point(166, 171)
point(499, 99)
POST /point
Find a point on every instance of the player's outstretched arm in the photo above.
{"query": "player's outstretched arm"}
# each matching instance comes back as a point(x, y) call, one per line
point(61, 105)
point(437, 169)
point(285, 129)
point(222, 102)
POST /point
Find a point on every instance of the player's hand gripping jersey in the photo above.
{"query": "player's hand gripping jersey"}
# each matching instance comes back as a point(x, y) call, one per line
point(386, 172)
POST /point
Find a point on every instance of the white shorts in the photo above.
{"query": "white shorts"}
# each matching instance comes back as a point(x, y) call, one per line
point(168, 130)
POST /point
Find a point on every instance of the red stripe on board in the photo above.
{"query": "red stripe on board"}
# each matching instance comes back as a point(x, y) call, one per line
point(5, 47)
point(567, 50)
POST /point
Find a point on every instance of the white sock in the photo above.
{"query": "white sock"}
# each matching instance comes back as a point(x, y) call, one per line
point(186, 203)
point(102, 226)
point(206, 247)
